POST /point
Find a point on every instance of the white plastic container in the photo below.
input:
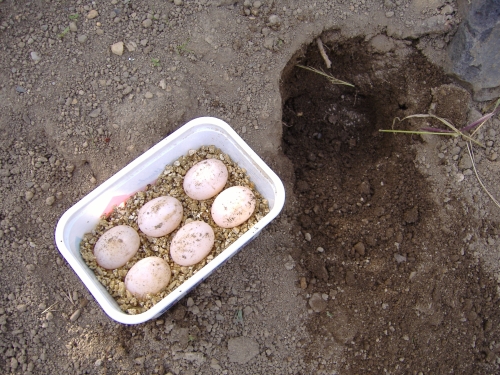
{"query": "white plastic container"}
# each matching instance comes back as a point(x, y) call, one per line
point(84, 215)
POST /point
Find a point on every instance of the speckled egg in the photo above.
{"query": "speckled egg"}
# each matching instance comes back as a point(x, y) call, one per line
point(192, 243)
point(148, 276)
point(233, 206)
point(116, 247)
point(205, 179)
point(160, 216)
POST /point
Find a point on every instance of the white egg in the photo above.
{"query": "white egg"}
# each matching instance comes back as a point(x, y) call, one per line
point(160, 216)
point(116, 247)
point(192, 243)
point(205, 179)
point(233, 206)
point(148, 276)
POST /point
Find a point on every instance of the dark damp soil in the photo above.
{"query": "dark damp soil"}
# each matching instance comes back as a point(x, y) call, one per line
point(385, 272)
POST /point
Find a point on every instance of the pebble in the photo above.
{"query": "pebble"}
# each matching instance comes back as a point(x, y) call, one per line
point(303, 283)
point(178, 2)
point(308, 237)
point(73, 27)
point(242, 349)
point(148, 95)
point(96, 112)
point(399, 258)
point(360, 248)
point(82, 38)
point(274, 20)
point(50, 200)
point(92, 14)
point(389, 14)
point(75, 315)
point(131, 46)
point(147, 23)
point(117, 48)
point(28, 195)
point(35, 56)
point(317, 303)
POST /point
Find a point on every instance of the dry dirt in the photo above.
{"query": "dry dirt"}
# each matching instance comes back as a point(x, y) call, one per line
point(385, 257)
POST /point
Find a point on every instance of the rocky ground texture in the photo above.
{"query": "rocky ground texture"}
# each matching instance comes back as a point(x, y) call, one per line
point(386, 256)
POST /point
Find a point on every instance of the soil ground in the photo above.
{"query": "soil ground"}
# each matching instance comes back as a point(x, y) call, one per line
point(385, 257)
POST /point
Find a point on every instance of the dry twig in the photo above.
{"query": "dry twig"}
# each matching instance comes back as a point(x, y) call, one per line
point(322, 51)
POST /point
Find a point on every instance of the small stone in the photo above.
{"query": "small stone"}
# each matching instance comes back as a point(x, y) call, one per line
point(73, 27)
point(75, 315)
point(317, 303)
point(360, 248)
point(411, 216)
point(13, 363)
point(147, 23)
point(93, 180)
point(45, 186)
point(131, 46)
point(447, 9)
point(117, 48)
point(148, 95)
point(50, 200)
point(178, 2)
point(274, 21)
point(163, 84)
point(96, 112)
point(303, 283)
point(399, 258)
point(92, 14)
point(28, 195)
point(389, 14)
point(35, 56)
point(189, 302)
point(98, 362)
point(21, 308)
point(82, 38)
point(308, 237)
point(244, 129)
point(242, 349)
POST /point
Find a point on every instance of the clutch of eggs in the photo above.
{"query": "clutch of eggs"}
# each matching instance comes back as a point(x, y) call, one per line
point(205, 179)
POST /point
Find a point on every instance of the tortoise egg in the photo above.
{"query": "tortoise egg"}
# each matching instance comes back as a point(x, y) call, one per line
point(160, 216)
point(148, 276)
point(116, 247)
point(205, 179)
point(192, 243)
point(233, 206)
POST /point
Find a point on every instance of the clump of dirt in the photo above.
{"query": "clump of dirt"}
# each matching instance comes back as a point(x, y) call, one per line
point(388, 279)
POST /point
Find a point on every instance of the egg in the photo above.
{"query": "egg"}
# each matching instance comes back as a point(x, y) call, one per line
point(233, 206)
point(160, 216)
point(205, 179)
point(192, 243)
point(116, 247)
point(148, 276)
